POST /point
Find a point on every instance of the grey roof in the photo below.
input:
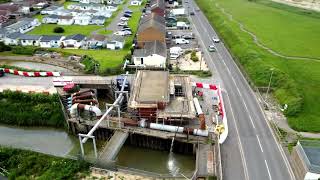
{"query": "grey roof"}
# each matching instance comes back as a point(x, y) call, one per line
point(152, 23)
point(152, 47)
point(154, 17)
point(115, 38)
point(48, 38)
point(3, 31)
point(158, 3)
point(77, 37)
point(98, 18)
point(52, 16)
point(29, 37)
point(22, 22)
point(15, 35)
point(52, 8)
point(97, 37)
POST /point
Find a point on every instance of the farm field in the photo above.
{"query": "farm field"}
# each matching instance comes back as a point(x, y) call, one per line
point(289, 31)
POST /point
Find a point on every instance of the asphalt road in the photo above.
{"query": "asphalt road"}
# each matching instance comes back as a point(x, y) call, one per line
point(251, 150)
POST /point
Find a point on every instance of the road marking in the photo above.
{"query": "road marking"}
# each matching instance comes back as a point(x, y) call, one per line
point(265, 161)
point(259, 142)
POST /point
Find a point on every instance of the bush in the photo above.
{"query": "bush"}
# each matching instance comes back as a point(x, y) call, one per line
point(58, 30)
point(194, 56)
point(4, 47)
point(22, 109)
point(25, 50)
point(23, 164)
point(90, 64)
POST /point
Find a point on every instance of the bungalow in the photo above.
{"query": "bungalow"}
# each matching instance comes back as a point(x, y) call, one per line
point(153, 54)
point(151, 28)
point(136, 2)
point(12, 39)
point(115, 42)
point(65, 20)
point(110, 8)
point(29, 40)
point(51, 41)
point(96, 41)
point(50, 10)
point(98, 20)
point(105, 13)
point(23, 25)
point(3, 33)
point(74, 41)
point(51, 19)
point(82, 20)
point(62, 12)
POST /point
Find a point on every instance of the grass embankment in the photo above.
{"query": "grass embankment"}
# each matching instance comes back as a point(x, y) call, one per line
point(23, 164)
point(22, 109)
point(287, 30)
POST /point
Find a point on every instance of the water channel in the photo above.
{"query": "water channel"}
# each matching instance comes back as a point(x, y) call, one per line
point(58, 142)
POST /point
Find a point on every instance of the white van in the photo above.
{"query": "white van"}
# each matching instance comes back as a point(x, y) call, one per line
point(181, 41)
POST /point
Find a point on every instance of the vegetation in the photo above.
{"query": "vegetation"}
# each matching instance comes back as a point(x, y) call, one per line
point(104, 32)
point(194, 57)
point(198, 73)
point(48, 29)
point(90, 64)
point(287, 30)
point(4, 1)
point(4, 47)
point(23, 164)
point(22, 109)
point(58, 30)
point(24, 50)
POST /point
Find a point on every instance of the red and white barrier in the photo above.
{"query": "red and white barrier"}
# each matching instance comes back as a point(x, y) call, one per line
point(31, 74)
point(222, 111)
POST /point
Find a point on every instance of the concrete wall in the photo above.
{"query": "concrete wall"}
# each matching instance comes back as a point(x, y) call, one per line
point(298, 166)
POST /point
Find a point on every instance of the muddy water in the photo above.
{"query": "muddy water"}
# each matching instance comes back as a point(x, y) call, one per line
point(58, 142)
point(35, 66)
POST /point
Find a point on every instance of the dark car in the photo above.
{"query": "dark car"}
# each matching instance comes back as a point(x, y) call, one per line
point(128, 12)
point(191, 13)
point(127, 15)
point(125, 26)
point(1, 72)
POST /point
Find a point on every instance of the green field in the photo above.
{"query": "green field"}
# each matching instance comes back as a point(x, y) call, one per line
point(287, 30)
point(47, 29)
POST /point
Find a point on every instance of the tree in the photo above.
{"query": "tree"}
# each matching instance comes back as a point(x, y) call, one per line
point(58, 30)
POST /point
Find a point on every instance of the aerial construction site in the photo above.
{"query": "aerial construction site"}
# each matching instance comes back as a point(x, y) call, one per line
point(149, 109)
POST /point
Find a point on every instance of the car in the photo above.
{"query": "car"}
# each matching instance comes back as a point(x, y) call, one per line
point(197, 9)
point(187, 36)
point(124, 19)
point(191, 13)
point(122, 23)
point(126, 32)
point(174, 56)
point(1, 72)
point(215, 39)
point(127, 15)
point(212, 48)
point(119, 33)
point(181, 41)
point(128, 12)
point(126, 29)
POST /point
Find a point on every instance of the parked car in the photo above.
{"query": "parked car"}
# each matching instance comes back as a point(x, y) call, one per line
point(126, 29)
point(215, 39)
point(122, 23)
point(187, 36)
point(212, 48)
point(191, 13)
point(126, 32)
point(119, 33)
point(181, 41)
point(1, 72)
point(127, 15)
point(174, 56)
point(128, 12)
point(124, 19)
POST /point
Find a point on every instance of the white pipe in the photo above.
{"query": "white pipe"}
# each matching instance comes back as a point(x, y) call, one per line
point(224, 135)
point(200, 132)
point(84, 140)
point(197, 105)
point(74, 108)
point(169, 128)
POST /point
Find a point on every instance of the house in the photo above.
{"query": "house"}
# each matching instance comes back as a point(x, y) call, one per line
point(51, 19)
point(110, 8)
point(3, 34)
point(115, 42)
point(62, 12)
point(178, 12)
point(96, 41)
point(91, 1)
point(11, 8)
point(29, 40)
point(158, 7)
point(4, 17)
point(82, 20)
point(151, 28)
point(23, 25)
point(135, 2)
point(65, 20)
point(115, 2)
point(154, 54)
point(98, 20)
point(50, 10)
point(12, 39)
point(51, 41)
point(74, 41)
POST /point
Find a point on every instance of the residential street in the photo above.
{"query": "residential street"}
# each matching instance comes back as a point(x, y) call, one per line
point(251, 150)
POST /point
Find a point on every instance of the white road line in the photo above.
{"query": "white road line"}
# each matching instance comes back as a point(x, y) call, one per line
point(259, 142)
point(246, 174)
point(265, 161)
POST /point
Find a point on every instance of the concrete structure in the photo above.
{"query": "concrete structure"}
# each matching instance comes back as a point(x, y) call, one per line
point(158, 96)
point(151, 28)
point(153, 54)
point(306, 160)
point(51, 41)
point(74, 41)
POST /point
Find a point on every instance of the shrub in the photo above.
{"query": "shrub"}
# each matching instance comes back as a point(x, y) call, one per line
point(4, 47)
point(25, 50)
point(58, 30)
point(90, 64)
point(194, 56)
